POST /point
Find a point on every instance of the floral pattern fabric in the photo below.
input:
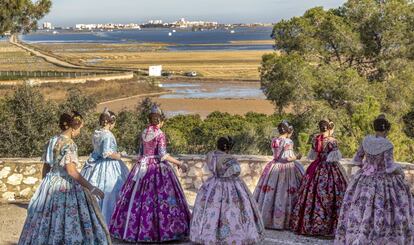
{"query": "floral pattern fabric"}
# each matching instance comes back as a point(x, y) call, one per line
point(321, 191)
point(276, 191)
point(224, 210)
point(105, 173)
point(378, 205)
point(61, 211)
point(152, 206)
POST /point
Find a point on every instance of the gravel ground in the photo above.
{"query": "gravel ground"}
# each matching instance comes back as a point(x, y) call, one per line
point(12, 218)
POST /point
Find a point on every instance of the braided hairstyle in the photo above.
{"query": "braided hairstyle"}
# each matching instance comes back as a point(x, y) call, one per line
point(107, 117)
point(284, 127)
point(381, 124)
point(72, 120)
point(325, 125)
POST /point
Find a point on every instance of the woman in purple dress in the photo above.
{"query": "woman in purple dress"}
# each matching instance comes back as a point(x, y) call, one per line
point(152, 206)
point(276, 191)
point(378, 206)
point(225, 211)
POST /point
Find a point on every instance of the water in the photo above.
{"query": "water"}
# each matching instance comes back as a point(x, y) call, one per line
point(207, 90)
point(180, 40)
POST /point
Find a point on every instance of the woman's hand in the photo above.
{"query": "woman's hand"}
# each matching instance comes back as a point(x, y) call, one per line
point(97, 192)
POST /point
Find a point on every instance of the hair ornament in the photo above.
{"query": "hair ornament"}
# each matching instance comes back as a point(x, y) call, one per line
point(106, 111)
point(156, 110)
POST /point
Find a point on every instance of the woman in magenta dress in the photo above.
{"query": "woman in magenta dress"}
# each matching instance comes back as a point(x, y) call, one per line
point(152, 206)
point(322, 189)
point(378, 206)
point(276, 191)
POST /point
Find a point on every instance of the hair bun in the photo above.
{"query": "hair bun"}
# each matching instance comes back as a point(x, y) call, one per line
point(381, 116)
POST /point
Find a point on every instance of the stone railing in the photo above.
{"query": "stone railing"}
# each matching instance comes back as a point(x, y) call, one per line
point(19, 178)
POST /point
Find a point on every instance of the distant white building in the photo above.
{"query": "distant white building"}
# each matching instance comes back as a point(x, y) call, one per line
point(155, 22)
point(183, 23)
point(47, 26)
point(155, 71)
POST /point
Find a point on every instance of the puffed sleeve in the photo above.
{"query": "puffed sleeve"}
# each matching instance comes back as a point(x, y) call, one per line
point(108, 145)
point(162, 147)
point(390, 165)
point(359, 156)
point(288, 152)
point(47, 156)
point(69, 154)
point(334, 154)
point(232, 168)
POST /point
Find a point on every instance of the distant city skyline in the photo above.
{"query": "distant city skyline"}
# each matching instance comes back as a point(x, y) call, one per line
point(71, 12)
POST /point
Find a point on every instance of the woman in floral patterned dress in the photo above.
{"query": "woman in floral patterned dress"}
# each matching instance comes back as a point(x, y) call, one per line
point(63, 211)
point(322, 189)
point(276, 191)
point(378, 206)
point(224, 210)
point(152, 206)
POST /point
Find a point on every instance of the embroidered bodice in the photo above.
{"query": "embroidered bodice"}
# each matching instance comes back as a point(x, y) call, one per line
point(60, 150)
point(222, 165)
point(282, 149)
point(375, 155)
point(104, 144)
point(153, 143)
point(325, 149)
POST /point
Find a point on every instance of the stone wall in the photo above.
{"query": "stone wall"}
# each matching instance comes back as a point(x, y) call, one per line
point(19, 178)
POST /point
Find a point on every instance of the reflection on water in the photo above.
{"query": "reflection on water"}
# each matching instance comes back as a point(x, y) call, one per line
point(213, 90)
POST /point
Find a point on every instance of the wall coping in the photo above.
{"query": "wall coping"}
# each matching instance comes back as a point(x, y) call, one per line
point(187, 157)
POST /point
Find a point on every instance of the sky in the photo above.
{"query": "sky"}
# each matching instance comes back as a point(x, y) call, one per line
point(70, 12)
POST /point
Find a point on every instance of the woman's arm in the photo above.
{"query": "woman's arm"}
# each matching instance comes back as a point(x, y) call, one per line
point(108, 151)
point(162, 151)
point(73, 172)
point(45, 170)
point(359, 156)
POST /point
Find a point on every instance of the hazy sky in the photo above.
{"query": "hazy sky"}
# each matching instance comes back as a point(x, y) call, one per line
point(70, 12)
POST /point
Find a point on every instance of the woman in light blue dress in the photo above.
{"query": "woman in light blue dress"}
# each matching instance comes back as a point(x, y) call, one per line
point(63, 211)
point(104, 167)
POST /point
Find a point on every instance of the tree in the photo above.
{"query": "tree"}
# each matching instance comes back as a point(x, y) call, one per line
point(27, 121)
point(334, 62)
point(21, 15)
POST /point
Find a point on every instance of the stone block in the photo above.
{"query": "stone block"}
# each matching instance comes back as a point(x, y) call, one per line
point(245, 169)
point(188, 181)
point(192, 172)
point(5, 172)
point(3, 187)
point(9, 196)
point(199, 165)
point(30, 180)
point(197, 183)
point(15, 179)
point(30, 170)
point(26, 193)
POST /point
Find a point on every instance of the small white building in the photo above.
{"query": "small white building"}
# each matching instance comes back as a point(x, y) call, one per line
point(47, 26)
point(155, 71)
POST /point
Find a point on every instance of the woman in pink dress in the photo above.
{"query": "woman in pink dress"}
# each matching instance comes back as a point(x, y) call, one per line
point(224, 210)
point(322, 189)
point(378, 206)
point(152, 206)
point(276, 191)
